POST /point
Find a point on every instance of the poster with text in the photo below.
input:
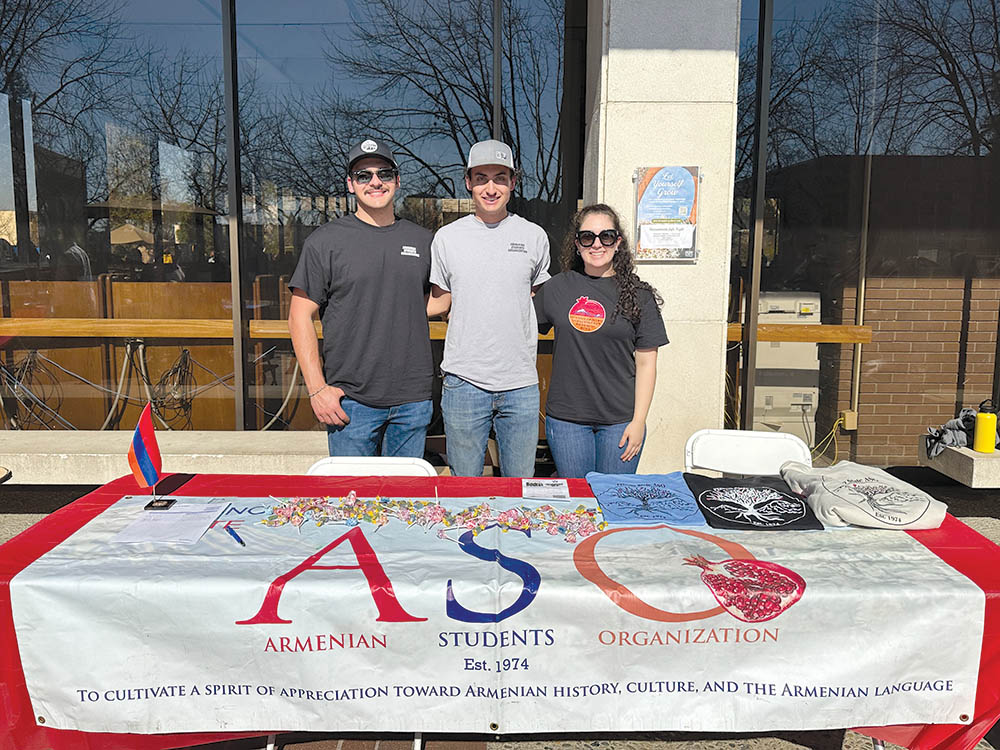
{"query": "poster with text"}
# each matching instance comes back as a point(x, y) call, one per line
point(667, 213)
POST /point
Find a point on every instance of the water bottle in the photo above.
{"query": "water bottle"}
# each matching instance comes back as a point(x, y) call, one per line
point(985, 438)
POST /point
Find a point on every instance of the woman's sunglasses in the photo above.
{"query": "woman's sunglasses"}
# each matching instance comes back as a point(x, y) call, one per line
point(608, 237)
point(364, 176)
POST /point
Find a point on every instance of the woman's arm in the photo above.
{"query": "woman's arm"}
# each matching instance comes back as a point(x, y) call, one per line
point(645, 382)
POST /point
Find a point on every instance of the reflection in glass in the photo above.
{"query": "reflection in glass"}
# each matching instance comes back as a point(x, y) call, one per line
point(112, 188)
point(883, 117)
point(315, 80)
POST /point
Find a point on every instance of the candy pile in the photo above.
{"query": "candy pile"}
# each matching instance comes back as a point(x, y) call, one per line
point(352, 510)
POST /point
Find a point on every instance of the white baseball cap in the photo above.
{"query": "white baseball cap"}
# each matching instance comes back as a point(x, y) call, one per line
point(490, 152)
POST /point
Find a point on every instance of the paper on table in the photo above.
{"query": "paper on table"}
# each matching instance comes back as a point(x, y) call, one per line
point(182, 524)
point(545, 489)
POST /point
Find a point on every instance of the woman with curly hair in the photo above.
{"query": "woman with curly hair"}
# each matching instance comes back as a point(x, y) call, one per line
point(607, 330)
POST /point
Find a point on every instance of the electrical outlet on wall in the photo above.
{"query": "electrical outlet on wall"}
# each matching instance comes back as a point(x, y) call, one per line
point(849, 420)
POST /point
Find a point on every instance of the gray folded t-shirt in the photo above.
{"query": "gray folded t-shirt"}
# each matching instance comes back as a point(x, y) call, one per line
point(853, 494)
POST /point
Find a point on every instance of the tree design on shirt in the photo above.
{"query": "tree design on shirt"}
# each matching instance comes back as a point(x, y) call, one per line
point(655, 501)
point(757, 506)
point(882, 500)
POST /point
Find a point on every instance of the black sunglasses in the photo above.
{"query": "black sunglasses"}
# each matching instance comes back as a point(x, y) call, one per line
point(364, 176)
point(608, 237)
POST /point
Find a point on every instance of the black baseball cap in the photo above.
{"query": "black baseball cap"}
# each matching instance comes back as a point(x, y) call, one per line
point(370, 147)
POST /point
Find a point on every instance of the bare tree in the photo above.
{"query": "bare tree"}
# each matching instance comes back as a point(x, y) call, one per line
point(73, 60)
point(950, 52)
point(424, 70)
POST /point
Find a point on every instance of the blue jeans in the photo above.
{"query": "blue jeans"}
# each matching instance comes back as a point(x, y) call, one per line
point(397, 430)
point(469, 413)
point(581, 448)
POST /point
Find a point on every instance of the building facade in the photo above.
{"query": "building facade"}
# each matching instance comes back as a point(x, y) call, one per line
point(150, 155)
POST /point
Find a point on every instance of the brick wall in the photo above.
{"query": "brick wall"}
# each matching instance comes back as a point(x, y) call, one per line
point(933, 342)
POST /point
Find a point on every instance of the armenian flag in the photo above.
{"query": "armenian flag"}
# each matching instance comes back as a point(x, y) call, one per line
point(144, 453)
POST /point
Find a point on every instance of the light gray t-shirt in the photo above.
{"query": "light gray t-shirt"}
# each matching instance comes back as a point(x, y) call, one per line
point(489, 269)
point(850, 493)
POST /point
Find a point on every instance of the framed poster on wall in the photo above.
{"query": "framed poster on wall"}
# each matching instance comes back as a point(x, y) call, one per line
point(666, 213)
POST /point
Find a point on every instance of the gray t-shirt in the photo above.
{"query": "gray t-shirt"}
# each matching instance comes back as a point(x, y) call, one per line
point(489, 269)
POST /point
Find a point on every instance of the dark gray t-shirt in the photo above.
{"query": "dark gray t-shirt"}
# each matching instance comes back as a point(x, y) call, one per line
point(593, 360)
point(369, 283)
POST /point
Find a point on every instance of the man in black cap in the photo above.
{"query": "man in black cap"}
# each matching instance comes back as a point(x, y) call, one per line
point(367, 275)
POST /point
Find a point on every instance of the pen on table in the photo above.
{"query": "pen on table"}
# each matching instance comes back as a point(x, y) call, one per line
point(234, 535)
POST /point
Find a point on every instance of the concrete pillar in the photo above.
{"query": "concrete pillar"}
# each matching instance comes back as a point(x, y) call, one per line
point(661, 91)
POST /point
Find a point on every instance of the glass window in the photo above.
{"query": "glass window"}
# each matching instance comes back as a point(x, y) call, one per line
point(112, 191)
point(417, 73)
point(113, 178)
point(879, 165)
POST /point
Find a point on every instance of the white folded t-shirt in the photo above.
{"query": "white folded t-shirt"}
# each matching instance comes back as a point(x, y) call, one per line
point(849, 493)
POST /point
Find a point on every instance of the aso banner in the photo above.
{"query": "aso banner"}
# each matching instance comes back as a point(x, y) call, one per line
point(489, 615)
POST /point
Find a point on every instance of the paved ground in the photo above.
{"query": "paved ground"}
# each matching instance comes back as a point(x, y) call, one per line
point(23, 505)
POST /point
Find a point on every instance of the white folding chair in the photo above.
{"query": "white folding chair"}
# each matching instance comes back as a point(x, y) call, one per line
point(372, 466)
point(744, 451)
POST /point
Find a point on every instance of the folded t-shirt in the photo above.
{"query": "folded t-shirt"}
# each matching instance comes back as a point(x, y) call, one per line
point(645, 499)
point(849, 493)
point(750, 503)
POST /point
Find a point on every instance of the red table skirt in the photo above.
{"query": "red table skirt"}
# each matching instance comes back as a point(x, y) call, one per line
point(955, 543)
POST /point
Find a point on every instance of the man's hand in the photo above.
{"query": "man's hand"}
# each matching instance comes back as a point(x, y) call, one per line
point(632, 439)
point(326, 406)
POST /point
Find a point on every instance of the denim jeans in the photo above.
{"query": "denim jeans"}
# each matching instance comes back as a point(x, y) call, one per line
point(580, 448)
point(469, 413)
point(397, 430)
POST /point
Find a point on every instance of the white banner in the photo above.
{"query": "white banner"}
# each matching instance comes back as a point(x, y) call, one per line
point(370, 621)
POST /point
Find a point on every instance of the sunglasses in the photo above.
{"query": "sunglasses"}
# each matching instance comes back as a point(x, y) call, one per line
point(364, 176)
point(608, 237)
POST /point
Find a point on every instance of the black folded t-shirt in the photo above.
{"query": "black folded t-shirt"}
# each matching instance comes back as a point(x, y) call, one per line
point(764, 503)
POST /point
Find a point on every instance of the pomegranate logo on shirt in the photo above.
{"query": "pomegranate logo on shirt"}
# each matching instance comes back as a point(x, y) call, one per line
point(587, 315)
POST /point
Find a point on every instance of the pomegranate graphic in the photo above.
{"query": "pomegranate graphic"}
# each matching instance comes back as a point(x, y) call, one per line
point(587, 315)
point(750, 590)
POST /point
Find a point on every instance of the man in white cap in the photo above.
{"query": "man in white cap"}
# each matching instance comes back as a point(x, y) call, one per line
point(367, 275)
point(489, 263)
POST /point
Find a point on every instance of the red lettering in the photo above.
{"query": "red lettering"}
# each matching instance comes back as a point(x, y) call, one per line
point(389, 608)
point(622, 596)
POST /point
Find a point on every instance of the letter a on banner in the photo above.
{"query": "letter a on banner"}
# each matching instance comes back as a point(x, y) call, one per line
point(389, 608)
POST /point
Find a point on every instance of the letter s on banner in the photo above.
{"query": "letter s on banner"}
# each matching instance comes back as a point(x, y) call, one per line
point(527, 573)
point(389, 608)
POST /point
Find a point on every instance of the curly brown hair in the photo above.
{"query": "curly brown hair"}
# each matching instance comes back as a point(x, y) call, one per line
point(625, 277)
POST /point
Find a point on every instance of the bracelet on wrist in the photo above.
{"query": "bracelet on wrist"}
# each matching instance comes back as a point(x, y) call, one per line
point(318, 390)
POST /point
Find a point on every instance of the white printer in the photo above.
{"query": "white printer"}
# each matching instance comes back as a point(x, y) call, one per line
point(786, 393)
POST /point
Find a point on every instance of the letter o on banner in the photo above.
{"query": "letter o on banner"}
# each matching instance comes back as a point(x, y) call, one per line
point(586, 564)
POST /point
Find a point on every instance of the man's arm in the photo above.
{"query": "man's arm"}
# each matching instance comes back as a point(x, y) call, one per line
point(438, 302)
point(324, 399)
